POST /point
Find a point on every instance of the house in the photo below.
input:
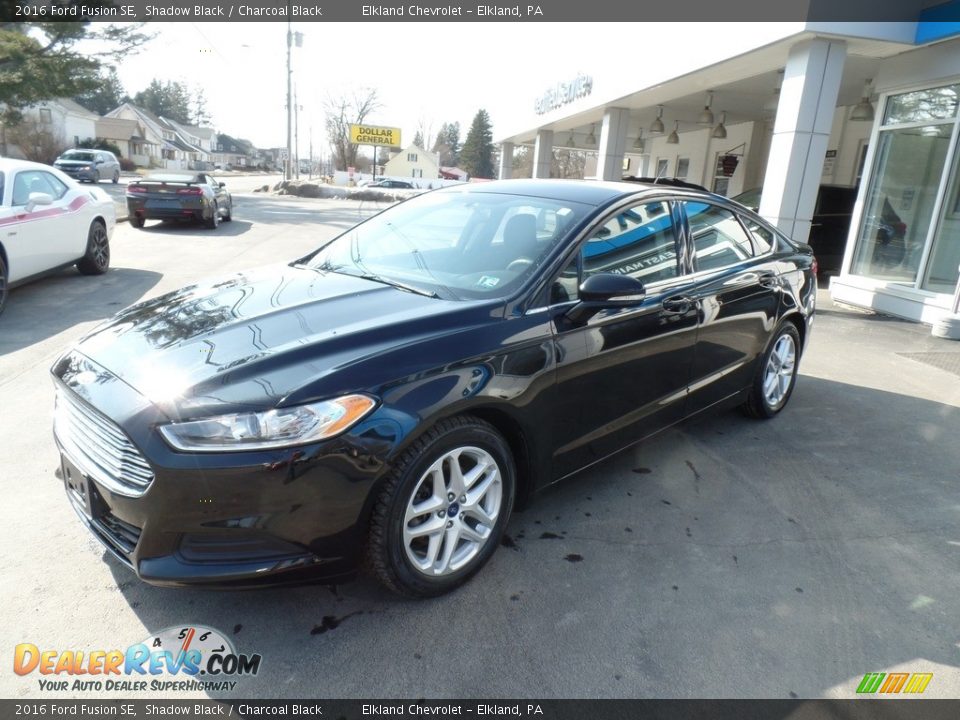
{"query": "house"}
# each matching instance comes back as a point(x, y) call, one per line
point(130, 136)
point(62, 122)
point(413, 162)
point(234, 152)
point(170, 147)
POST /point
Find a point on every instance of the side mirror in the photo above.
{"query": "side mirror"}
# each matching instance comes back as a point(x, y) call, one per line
point(98, 162)
point(606, 290)
point(222, 184)
point(38, 198)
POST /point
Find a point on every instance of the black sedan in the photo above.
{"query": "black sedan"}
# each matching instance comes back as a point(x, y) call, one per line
point(395, 184)
point(391, 397)
point(179, 196)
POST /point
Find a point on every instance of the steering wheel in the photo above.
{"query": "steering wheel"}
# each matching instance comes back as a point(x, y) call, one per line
point(519, 264)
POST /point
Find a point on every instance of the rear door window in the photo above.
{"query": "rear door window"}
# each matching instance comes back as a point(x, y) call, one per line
point(718, 237)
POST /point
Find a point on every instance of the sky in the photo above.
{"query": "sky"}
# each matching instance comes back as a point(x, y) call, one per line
point(423, 72)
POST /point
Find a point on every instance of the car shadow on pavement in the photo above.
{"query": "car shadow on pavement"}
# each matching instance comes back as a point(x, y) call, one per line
point(727, 557)
point(175, 228)
point(48, 306)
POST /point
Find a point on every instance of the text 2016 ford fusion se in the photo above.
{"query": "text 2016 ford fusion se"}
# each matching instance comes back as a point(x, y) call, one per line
point(390, 398)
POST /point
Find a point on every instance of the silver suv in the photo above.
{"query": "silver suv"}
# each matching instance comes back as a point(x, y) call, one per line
point(89, 165)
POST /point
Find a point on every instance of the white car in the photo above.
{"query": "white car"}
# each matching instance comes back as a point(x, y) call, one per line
point(47, 221)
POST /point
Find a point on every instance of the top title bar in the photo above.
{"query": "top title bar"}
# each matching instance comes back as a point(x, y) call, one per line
point(469, 11)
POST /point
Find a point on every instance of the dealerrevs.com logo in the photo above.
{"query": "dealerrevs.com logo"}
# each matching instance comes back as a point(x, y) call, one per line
point(183, 658)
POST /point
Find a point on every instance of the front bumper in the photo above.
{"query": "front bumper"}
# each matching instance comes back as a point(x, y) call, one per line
point(78, 174)
point(231, 519)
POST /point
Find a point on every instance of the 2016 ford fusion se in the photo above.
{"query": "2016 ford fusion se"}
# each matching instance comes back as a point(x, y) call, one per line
point(390, 398)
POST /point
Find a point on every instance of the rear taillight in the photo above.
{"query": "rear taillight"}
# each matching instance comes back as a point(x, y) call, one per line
point(815, 267)
point(136, 189)
point(190, 191)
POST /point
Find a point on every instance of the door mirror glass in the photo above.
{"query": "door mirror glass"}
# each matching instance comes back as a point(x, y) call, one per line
point(221, 184)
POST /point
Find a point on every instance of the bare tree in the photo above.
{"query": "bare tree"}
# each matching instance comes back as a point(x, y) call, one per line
point(37, 141)
point(425, 133)
point(341, 113)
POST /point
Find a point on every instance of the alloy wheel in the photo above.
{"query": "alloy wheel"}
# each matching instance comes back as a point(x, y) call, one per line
point(781, 366)
point(452, 512)
point(100, 247)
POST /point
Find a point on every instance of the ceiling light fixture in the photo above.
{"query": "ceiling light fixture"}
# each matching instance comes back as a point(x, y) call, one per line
point(657, 126)
point(720, 131)
point(863, 110)
point(639, 143)
point(591, 138)
point(673, 138)
point(706, 117)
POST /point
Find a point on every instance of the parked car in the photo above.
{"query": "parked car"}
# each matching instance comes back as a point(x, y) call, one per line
point(179, 196)
point(393, 395)
point(89, 165)
point(395, 184)
point(49, 222)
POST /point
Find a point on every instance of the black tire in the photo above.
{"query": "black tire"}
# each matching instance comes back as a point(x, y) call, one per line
point(386, 555)
point(229, 216)
point(213, 222)
point(116, 177)
point(760, 403)
point(137, 221)
point(96, 177)
point(96, 261)
point(4, 287)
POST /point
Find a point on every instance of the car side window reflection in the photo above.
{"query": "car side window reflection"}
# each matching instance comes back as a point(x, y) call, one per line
point(639, 242)
point(34, 181)
point(718, 237)
point(762, 238)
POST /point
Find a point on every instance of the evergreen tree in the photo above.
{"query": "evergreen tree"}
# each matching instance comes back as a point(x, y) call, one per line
point(201, 117)
point(107, 94)
point(476, 157)
point(447, 145)
point(418, 139)
point(170, 100)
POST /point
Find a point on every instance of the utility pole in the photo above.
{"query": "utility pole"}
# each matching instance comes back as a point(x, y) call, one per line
point(296, 133)
point(287, 175)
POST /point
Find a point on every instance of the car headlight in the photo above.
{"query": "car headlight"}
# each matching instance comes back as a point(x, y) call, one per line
point(277, 428)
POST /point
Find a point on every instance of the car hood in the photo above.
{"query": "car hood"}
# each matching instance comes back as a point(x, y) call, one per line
point(256, 339)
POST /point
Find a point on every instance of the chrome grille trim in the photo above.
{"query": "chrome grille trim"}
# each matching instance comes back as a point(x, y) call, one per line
point(99, 447)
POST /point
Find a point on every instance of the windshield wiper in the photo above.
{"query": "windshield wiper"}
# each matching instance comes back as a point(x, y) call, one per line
point(396, 283)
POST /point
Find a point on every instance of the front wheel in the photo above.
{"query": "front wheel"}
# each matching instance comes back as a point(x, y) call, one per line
point(116, 177)
point(776, 374)
point(96, 261)
point(442, 511)
point(229, 215)
point(4, 288)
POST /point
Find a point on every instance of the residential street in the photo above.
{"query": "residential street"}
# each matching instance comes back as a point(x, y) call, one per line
point(726, 558)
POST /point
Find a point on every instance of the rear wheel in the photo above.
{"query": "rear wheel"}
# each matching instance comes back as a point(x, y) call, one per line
point(136, 221)
point(443, 509)
point(4, 288)
point(213, 222)
point(776, 375)
point(96, 261)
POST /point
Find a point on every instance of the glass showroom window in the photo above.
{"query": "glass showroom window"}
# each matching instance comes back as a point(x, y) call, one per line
point(901, 203)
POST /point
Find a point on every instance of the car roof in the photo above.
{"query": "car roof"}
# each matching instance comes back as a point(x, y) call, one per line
point(12, 165)
point(589, 192)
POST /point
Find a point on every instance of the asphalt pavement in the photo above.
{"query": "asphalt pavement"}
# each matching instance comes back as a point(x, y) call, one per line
point(726, 558)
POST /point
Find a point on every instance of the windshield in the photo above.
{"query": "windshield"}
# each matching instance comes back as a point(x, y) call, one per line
point(455, 244)
point(74, 155)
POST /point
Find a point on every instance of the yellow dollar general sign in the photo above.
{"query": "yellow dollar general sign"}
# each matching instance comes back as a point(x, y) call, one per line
point(893, 683)
point(374, 135)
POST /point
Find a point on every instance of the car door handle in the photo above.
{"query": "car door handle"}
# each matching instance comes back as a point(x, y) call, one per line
point(677, 305)
point(767, 279)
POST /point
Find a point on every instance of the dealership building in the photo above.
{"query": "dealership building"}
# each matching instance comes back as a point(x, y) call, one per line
point(787, 109)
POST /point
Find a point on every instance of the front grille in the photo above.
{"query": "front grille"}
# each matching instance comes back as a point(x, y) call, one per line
point(122, 535)
point(100, 447)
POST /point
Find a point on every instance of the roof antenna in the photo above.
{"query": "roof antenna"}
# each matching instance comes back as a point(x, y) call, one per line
point(660, 174)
